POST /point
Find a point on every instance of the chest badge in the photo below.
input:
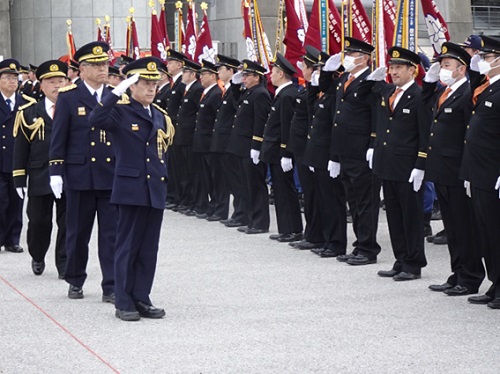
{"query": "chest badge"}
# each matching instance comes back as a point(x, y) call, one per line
point(383, 102)
point(82, 111)
point(135, 127)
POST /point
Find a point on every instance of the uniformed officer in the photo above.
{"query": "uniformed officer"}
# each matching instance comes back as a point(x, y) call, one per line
point(246, 141)
point(302, 117)
point(227, 67)
point(163, 85)
point(31, 163)
point(275, 154)
point(25, 84)
point(114, 77)
point(352, 137)
point(11, 206)
point(142, 132)
point(83, 157)
point(173, 102)
point(400, 151)
point(214, 184)
point(481, 162)
point(74, 72)
point(36, 93)
point(189, 163)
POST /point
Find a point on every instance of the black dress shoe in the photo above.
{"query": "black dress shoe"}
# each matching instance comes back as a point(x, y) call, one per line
point(293, 237)
point(37, 267)
point(75, 292)
point(61, 276)
point(481, 299)
point(170, 206)
point(440, 287)
point(440, 240)
point(128, 315)
point(387, 273)
point(234, 224)
point(361, 260)
point(224, 221)
point(318, 250)
point(214, 218)
point(306, 245)
point(295, 244)
point(494, 304)
point(14, 248)
point(201, 215)
point(458, 291)
point(243, 228)
point(149, 311)
point(190, 213)
point(344, 258)
point(108, 298)
point(275, 236)
point(404, 276)
point(251, 230)
point(328, 253)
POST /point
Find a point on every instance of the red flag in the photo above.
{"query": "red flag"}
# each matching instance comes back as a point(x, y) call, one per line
point(189, 46)
point(70, 42)
point(436, 25)
point(99, 31)
point(361, 25)
point(162, 23)
point(133, 49)
point(158, 49)
point(107, 39)
point(204, 47)
point(384, 19)
point(294, 35)
point(313, 35)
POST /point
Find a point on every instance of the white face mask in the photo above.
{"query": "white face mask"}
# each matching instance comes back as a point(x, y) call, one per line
point(349, 63)
point(446, 76)
point(485, 67)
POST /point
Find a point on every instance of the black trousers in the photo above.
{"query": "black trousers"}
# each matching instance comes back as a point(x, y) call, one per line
point(173, 188)
point(461, 232)
point(11, 211)
point(405, 218)
point(218, 187)
point(232, 176)
point(186, 171)
point(486, 205)
point(364, 204)
point(201, 186)
point(137, 238)
point(332, 209)
point(39, 211)
point(81, 209)
point(286, 200)
point(256, 194)
point(313, 231)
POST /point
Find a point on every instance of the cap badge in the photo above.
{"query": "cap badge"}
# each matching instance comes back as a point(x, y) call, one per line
point(347, 43)
point(444, 49)
point(395, 54)
point(54, 67)
point(151, 66)
point(97, 50)
point(245, 66)
point(12, 66)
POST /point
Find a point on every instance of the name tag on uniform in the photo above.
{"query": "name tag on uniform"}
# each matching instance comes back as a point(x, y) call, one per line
point(173, 92)
point(448, 110)
point(321, 106)
point(273, 109)
point(135, 127)
point(82, 111)
point(355, 94)
point(298, 100)
point(406, 111)
point(224, 102)
point(489, 104)
point(245, 101)
point(186, 100)
point(202, 105)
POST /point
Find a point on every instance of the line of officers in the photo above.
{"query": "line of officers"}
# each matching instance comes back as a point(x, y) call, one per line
point(347, 132)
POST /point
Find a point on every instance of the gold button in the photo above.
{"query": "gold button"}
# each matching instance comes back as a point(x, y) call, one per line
point(468, 126)
point(465, 141)
point(162, 161)
point(108, 143)
point(147, 143)
point(338, 111)
point(388, 131)
point(385, 143)
point(3, 136)
point(432, 134)
point(342, 100)
point(390, 118)
point(148, 176)
point(430, 148)
point(93, 128)
point(147, 160)
point(108, 160)
point(473, 112)
point(334, 125)
point(93, 159)
point(92, 144)
point(435, 121)
point(162, 179)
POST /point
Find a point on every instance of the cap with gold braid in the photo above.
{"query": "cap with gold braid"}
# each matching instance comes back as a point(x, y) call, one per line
point(52, 68)
point(403, 56)
point(227, 61)
point(190, 65)
point(74, 65)
point(283, 64)
point(208, 66)
point(452, 50)
point(93, 52)
point(23, 69)
point(356, 45)
point(9, 66)
point(146, 67)
point(253, 67)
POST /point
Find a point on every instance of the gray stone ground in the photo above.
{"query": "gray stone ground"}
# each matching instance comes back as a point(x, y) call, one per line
point(245, 304)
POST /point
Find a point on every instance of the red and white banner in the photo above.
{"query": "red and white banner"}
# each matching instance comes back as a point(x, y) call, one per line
point(295, 33)
point(189, 46)
point(436, 25)
point(332, 30)
point(204, 47)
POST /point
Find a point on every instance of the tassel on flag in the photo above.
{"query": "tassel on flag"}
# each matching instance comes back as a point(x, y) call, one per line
point(107, 39)
point(436, 25)
point(325, 30)
point(163, 25)
point(294, 34)
point(158, 48)
point(133, 50)
point(189, 46)
point(180, 33)
point(70, 41)
point(99, 31)
point(383, 22)
point(204, 46)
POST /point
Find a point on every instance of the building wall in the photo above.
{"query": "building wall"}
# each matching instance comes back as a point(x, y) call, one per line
point(5, 41)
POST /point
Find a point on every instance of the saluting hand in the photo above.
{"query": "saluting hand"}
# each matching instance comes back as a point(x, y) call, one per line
point(378, 74)
point(432, 74)
point(237, 78)
point(333, 63)
point(474, 62)
point(123, 86)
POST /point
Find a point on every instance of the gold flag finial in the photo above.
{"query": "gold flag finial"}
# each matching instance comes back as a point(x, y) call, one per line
point(107, 18)
point(68, 22)
point(128, 19)
point(178, 4)
point(151, 3)
point(98, 21)
point(204, 6)
point(162, 3)
point(131, 10)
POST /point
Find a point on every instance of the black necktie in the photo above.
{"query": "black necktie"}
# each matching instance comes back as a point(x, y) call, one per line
point(96, 97)
point(8, 102)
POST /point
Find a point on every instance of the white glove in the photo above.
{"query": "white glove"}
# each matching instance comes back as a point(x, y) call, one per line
point(311, 169)
point(467, 188)
point(432, 74)
point(254, 155)
point(334, 169)
point(124, 85)
point(416, 177)
point(300, 64)
point(56, 183)
point(369, 157)
point(474, 62)
point(333, 63)
point(237, 78)
point(21, 191)
point(497, 186)
point(286, 164)
point(378, 74)
point(315, 78)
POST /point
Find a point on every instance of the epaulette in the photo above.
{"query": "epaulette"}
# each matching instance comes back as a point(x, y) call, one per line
point(27, 105)
point(68, 88)
point(160, 109)
point(29, 99)
point(124, 99)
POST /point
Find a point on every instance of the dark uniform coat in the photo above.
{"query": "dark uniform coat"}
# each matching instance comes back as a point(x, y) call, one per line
point(186, 117)
point(224, 121)
point(205, 119)
point(174, 98)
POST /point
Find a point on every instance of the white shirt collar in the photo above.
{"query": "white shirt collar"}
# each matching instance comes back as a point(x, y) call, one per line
point(163, 85)
point(99, 90)
point(227, 85)
point(360, 72)
point(188, 86)
point(176, 76)
point(457, 84)
point(407, 85)
point(281, 87)
point(12, 98)
point(48, 107)
point(205, 91)
point(494, 79)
